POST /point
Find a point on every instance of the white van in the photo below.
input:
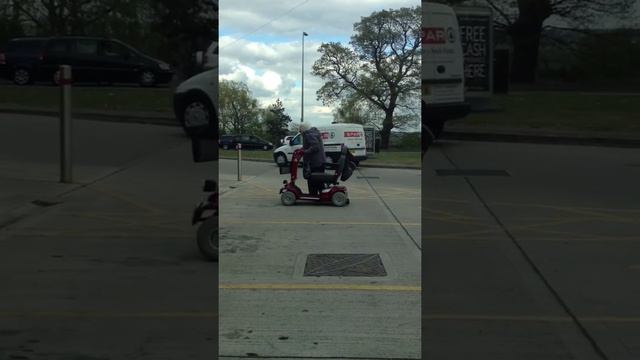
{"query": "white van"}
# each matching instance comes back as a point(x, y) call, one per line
point(443, 91)
point(208, 59)
point(333, 137)
point(195, 101)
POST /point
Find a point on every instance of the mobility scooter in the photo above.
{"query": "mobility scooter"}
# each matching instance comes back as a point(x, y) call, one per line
point(331, 191)
point(205, 148)
point(207, 213)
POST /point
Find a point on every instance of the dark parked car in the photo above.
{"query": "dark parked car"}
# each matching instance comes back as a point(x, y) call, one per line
point(247, 141)
point(92, 59)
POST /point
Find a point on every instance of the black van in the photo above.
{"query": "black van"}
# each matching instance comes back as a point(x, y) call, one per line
point(92, 59)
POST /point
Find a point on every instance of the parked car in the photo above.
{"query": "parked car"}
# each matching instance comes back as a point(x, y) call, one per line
point(92, 59)
point(195, 102)
point(247, 141)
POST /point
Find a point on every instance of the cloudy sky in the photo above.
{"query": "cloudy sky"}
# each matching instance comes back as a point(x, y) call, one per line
point(261, 45)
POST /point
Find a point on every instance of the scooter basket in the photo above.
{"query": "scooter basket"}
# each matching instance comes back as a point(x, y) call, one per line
point(285, 170)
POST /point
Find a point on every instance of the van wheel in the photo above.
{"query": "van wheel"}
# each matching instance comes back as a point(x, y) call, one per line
point(56, 78)
point(265, 148)
point(22, 77)
point(196, 113)
point(147, 78)
point(281, 159)
point(225, 147)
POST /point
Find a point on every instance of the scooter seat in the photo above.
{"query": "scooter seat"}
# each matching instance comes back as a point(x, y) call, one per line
point(322, 177)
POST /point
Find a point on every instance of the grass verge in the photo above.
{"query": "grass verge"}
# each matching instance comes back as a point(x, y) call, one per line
point(154, 100)
point(560, 111)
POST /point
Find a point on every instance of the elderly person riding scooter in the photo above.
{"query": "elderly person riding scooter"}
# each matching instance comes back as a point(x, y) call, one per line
point(314, 156)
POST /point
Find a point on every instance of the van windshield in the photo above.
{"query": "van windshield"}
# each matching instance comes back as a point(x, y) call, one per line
point(297, 140)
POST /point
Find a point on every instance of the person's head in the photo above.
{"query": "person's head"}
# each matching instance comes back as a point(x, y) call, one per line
point(303, 127)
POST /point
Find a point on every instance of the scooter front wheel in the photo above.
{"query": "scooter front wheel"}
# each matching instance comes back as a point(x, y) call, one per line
point(288, 198)
point(339, 199)
point(208, 238)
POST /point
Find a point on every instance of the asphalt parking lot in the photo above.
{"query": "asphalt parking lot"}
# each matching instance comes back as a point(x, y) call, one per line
point(269, 308)
point(531, 252)
point(106, 267)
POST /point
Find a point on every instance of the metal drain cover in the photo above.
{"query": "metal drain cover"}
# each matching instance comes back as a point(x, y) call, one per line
point(471, 172)
point(344, 265)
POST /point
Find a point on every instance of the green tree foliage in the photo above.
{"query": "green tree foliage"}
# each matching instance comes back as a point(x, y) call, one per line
point(276, 122)
point(238, 109)
point(382, 65)
point(185, 26)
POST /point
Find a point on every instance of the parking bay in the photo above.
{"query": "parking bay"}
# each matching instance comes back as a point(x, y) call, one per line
point(314, 280)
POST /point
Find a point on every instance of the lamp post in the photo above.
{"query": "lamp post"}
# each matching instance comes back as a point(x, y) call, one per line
point(302, 102)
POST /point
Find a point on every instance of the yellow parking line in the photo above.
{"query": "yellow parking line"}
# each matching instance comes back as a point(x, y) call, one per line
point(283, 222)
point(347, 287)
point(107, 314)
point(531, 318)
point(127, 199)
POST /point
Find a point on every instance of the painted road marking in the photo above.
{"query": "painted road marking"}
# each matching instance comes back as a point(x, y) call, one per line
point(139, 204)
point(329, 287)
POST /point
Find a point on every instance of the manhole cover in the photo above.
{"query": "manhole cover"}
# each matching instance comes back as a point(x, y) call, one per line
point(471, 172)
point(344, 265)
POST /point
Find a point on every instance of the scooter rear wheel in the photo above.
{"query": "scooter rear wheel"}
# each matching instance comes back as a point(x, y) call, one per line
point(288, 198)
point(339, 199)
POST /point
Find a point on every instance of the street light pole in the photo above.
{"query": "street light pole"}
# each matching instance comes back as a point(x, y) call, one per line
point(302, 102)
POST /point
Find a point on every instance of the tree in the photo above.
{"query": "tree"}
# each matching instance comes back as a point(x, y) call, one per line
point(525, 24)
point(356, 110)
point(66, 17)
point(167, 29)
point(276, 121)
point(383, 65)
point(238, 109)
point(185, 25)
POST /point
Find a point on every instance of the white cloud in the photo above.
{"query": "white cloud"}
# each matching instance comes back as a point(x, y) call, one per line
point(269, 60)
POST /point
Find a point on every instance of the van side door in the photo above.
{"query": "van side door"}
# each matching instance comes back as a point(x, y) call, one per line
point(87, 65)
point(118, 61)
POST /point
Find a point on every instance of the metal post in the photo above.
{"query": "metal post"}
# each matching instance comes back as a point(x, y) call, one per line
point(65, 124)
point(302, 100)
point(239, 148)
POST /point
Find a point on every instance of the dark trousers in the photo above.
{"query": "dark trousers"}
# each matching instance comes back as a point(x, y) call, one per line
point(315, 187)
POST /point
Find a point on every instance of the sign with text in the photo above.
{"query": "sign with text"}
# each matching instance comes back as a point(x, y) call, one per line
point(352, 134)
point(370, 139)
point(476, 34)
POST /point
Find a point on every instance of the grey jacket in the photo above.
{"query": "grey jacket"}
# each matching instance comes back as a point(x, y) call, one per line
point(314, 155)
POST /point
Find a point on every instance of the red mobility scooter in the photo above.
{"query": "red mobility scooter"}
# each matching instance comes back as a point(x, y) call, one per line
point(331, 192)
